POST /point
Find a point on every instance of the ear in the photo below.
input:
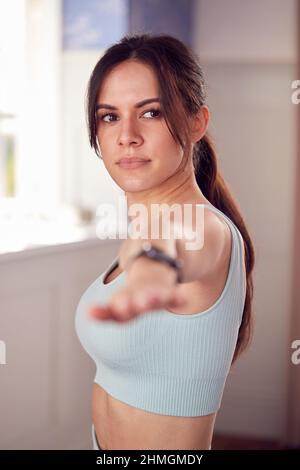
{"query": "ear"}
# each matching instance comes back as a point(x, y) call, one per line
point(199, 123)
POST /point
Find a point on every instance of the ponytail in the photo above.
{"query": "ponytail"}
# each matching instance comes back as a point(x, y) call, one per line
point(216, 190)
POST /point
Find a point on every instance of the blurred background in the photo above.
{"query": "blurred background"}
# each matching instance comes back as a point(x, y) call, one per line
point(51, 184)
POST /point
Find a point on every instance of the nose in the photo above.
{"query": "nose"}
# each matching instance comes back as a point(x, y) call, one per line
point(129, 133)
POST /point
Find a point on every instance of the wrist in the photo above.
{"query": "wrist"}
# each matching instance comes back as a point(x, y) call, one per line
point(159, 256)
point(132, 247)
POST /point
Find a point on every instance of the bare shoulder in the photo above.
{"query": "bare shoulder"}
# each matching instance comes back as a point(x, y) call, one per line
point(218, 239)
point(209, 254)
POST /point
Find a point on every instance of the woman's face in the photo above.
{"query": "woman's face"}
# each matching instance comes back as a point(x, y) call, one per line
point(131, 131)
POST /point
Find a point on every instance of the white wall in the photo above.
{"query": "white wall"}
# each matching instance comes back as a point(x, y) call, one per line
point(248, 53)
point(46, 383)
point(261, 31)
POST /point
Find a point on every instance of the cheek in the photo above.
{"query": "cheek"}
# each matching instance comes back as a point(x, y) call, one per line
point(164, 144)
point(173, 155)
point(166, 163)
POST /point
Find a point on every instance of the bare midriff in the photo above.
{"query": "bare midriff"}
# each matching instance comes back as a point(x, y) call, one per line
point(121, 426)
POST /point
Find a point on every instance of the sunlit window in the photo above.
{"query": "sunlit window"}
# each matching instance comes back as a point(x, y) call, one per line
point(30, 153)
point(11, 83)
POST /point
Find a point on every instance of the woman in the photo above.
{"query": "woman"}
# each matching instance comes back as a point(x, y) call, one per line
point(163, 330)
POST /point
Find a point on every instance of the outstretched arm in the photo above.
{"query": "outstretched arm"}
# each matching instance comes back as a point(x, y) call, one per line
point(152, 285)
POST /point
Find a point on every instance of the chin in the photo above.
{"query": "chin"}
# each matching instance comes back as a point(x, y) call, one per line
point(134, 186)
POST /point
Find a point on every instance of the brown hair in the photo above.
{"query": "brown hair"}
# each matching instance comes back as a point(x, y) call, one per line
point(182, 93)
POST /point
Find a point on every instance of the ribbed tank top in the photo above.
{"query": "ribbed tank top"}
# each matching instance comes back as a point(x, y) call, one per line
point(162, 362)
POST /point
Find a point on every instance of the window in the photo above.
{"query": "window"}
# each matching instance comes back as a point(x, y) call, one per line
point(29, 103)
point(11, 78)
point(30, 154)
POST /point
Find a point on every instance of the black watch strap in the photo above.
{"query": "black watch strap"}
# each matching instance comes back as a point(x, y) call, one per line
point(157, 254)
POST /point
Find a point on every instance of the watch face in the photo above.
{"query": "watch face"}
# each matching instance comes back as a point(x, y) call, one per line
point(147, 246)
point(158, 254)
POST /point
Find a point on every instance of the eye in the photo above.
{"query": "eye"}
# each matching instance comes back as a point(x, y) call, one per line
point(102, 116)
point(157, 111)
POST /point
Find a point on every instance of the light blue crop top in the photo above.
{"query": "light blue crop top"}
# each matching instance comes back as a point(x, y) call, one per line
point(162, 362)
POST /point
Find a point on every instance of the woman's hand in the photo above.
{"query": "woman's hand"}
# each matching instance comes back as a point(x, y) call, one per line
point(149, 285)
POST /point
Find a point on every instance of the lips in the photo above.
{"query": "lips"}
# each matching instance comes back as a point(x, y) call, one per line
point(132, 163)
point(131, 160)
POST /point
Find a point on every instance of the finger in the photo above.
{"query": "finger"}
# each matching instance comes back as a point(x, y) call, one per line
point(130, 304)
point(140, 301)
point(177, 300)
point(143, 301)
point(100, 312)
point(121, 307)
point(158, 298)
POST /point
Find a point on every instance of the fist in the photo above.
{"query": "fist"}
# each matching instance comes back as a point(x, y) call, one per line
point(149, 285)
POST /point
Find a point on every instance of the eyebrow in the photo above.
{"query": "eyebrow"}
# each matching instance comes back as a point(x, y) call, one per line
point(137, 105)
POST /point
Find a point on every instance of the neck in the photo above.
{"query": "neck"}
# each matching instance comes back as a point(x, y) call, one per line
point(179, 188)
